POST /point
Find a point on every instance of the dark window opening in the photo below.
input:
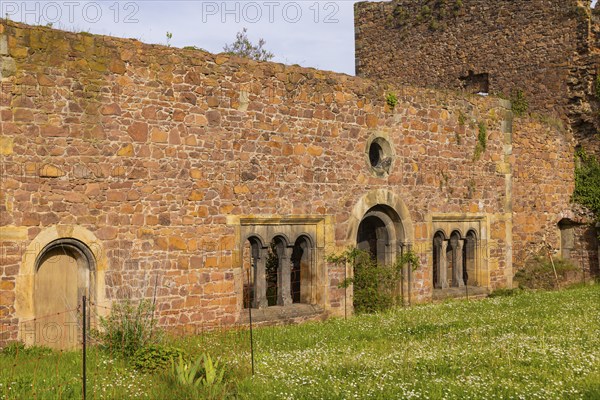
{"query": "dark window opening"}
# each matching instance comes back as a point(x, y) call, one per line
point(476, 83)
point(375, 154)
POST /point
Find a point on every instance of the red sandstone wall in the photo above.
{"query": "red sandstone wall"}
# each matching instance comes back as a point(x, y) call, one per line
point(526, 44)
point(152, 148)
point(542, 186)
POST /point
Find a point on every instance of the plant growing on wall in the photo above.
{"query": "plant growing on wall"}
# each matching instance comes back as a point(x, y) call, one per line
point(391, 99)
point(481, 141)
point(399, 16)
point(519, 103)
point(587, 182)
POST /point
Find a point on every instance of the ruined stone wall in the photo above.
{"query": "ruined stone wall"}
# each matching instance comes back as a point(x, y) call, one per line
point(156, 152)
point(547, 49)
point(528, 44)
point(542, 186)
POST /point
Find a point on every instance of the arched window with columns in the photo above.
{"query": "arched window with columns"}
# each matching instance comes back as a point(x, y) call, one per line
point(470, 258)
point(254, 260)
point(440, 245)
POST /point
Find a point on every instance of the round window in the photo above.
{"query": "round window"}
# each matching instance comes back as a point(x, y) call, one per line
point(380, 156)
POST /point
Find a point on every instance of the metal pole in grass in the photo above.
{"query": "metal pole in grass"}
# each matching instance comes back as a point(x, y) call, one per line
point(83, 346)
point(466, 281)
point(409, 289)
point(250, 319)
point(345, 288)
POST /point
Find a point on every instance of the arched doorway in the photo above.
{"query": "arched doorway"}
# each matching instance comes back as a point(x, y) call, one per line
point(380, 232)
point(64, 273)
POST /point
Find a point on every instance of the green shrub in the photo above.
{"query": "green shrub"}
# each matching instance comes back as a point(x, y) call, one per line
point(481, 141)
point(374, 284)
point(155, 357)
point(539, 273)
point(519, 104)
point(587, 182)
point(391, 100)
point(128, 328)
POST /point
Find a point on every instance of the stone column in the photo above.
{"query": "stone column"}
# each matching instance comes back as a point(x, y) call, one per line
point(457, 267)
point(260, 281)
point(284, 290)
point(443, 272)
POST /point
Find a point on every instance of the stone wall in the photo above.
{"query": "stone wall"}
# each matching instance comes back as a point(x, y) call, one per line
point(542, 186)
point(547, 49)
point(153, 155)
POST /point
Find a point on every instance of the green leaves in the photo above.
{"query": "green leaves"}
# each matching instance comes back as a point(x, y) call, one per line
point(391, 99)
point(204, 374)
point(129, 327)
point(519, 103)
point(187, 373)
point(587, 182)
point(243, 47)
point(374, 284)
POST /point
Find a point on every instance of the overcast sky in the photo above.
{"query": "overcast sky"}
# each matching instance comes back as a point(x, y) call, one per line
point(311, 33)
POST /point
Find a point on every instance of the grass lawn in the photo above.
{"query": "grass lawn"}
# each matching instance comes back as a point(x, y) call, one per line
point(543, 345)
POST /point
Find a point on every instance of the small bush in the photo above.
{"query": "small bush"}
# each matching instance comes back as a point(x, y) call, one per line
point(374, 284)
point(481, 141)
point(587, 182)
point(155, 357)
point(128, 328)
point(519, 104)
point(391, 100)
point(538, 273)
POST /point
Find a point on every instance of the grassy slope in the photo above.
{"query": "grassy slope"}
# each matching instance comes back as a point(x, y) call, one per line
point(535, 345)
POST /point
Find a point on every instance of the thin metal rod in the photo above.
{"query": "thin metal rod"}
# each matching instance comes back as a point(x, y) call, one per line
point(345, 289)
point(250, 319)
point(84, 348)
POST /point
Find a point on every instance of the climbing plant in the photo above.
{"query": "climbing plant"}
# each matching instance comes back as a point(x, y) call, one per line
point(519, 103)
point(587, 182)
point(481, 141)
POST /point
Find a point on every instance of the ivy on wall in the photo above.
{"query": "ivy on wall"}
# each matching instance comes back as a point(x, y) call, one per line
point(587, 182)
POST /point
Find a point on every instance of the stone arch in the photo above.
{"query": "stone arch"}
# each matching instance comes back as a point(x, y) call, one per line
point(303, 275)
point(380, 233)
point(253, 271)
point(380, 197)
point(256, 238)
point(439, 262)
point(454, 255)
point(53, 251)
point(280, 260)
point(470, 259)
